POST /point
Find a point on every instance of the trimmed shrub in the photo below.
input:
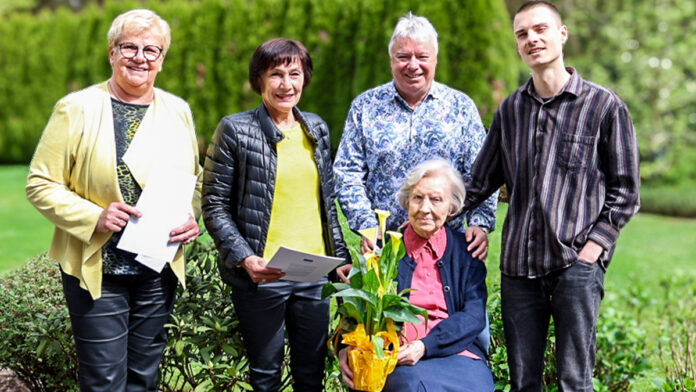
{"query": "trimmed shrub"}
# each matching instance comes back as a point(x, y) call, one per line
point(45, 56)
point(36, 338)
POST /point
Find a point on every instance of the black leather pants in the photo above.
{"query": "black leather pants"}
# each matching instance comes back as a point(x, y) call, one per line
point(264, 317)
point(120, 337)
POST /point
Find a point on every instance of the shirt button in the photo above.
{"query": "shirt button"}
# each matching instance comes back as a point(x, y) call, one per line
point(439, 263)
point(446, 288)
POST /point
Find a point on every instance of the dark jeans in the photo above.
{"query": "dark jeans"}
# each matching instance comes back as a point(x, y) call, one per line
point(265, 314)
point(572, 296)
point(120, 336)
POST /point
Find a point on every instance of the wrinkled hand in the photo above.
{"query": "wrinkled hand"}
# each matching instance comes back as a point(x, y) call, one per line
point(256, 267)
point(410, 353)
point(346, 371)
point(343, 272)
point(186, 233)
point(115, 216)
point(478, 242)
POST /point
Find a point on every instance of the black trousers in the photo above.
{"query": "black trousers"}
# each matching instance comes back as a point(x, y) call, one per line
point(120, 337)
point(572, 297)
point(265, 315)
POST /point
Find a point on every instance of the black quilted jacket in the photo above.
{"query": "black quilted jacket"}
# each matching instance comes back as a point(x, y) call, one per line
point(238, 187)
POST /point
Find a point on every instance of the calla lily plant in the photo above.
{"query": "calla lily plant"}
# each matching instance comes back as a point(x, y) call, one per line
point(371, 309)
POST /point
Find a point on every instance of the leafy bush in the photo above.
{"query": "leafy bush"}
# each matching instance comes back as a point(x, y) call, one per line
point(46, 55)
point(36, 339)
point(621, 353)
point(204, 350)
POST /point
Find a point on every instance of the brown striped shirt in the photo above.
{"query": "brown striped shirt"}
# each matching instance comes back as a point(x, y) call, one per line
point(570, 165)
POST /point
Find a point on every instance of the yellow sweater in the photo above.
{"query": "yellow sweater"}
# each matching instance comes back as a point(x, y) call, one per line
point(72, 176)
point(296, 212)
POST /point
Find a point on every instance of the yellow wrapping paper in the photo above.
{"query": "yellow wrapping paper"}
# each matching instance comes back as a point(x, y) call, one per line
point(369, 371)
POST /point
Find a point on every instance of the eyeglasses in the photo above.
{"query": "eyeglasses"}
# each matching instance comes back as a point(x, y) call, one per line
point(130, 50)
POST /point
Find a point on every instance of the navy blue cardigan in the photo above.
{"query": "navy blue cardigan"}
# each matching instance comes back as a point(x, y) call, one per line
point(464, 285)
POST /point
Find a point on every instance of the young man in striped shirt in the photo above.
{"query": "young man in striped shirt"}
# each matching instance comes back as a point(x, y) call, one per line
point(566, 150)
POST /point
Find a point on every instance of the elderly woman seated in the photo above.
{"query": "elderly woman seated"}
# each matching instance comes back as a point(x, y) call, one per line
point(448, 282)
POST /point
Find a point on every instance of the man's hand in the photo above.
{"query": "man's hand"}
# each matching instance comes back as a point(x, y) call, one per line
point(590, 252)
point(410, 353)
point(343, 272)
point(256, 267)
point(478, 242)
point(346, 371)
point(366, 245)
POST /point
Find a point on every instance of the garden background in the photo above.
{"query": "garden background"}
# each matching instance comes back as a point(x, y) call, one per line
point(642, 49)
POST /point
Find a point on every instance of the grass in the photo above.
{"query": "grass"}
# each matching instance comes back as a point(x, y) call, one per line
point(25, 232)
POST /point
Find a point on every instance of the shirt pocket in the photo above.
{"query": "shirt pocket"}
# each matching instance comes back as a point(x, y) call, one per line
point(576, 151)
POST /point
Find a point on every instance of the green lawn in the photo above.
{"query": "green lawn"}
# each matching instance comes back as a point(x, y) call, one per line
point(24, 231)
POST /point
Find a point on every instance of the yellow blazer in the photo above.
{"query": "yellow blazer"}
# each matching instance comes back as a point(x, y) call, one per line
point(72, 176)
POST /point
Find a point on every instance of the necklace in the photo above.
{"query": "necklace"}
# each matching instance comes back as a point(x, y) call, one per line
point(138, 100)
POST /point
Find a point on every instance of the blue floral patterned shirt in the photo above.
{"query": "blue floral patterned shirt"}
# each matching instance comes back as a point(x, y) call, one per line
point(384, 139)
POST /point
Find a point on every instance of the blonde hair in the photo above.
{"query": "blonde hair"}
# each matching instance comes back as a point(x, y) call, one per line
point(136, 22)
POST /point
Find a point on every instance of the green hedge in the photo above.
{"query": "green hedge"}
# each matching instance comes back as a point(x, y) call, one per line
point(45, 56)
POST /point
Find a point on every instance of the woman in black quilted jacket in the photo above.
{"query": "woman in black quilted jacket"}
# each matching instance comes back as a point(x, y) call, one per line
point(268, 182)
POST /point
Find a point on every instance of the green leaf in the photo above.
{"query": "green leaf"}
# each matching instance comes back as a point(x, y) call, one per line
point(205, 386)
point(349, 309)
point(349, 236)
point(229, 349)
point(328, 290)
point(378, 343)
point(371, 282)
point(179, 347)
point(400, 314)
point(357, 293)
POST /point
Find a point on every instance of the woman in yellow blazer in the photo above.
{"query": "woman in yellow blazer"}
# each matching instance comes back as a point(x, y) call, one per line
point(90, 166)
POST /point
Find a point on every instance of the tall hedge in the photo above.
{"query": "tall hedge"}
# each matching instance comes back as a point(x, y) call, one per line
point(45, 56)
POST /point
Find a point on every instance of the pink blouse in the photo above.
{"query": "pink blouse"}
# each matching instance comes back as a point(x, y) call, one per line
point(427, 283)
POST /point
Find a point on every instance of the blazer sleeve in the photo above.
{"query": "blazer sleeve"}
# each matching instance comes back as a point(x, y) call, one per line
point(49, 187)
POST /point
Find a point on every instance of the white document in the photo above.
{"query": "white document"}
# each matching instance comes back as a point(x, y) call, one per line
point(303, 267)
point(165, 204)
point(154, 264)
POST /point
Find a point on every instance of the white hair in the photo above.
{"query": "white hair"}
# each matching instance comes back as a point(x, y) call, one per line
point(136, 22)
point(417, 28)
point(431, 168)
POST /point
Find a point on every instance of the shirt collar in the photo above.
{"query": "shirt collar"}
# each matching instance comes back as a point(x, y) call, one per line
point(416, 244)
point(574, 85)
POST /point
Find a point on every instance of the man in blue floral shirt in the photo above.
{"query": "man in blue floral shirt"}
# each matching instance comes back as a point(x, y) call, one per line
point(393, 127)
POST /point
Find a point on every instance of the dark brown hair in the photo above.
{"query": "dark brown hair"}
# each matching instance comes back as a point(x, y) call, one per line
point(278, 51)
point(538, 3)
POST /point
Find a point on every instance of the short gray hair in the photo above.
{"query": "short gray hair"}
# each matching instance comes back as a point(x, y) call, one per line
point(417, 28)
point(430, 168)
point(136, 22)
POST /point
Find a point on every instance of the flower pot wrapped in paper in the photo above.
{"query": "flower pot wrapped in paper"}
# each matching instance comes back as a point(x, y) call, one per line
point(370, 306)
